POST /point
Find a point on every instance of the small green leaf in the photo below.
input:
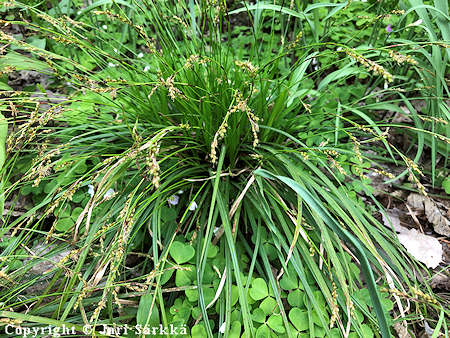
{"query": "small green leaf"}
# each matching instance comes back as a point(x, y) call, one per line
point(320, 331)
point(359, 316)
point(196, 312)
point(335, 333)
point(235, 330)
point(295, 298)
point(181, 252)
point(387, 304)
point(288, 282)
point(446, 185)
point(263, 332)
point(271, 251)
point(258, 315)
point(269, 306)
point(293, 331)
point(363, 296)
point(209, 275)
point(299, 319)
point(185, 277)
point(78, 196)
point(50, 186)
point(168, 214)
point(181, 310)
point(208, 294)
point(198, 331)
point(219, 262)
point(66, 177)
point(80, 167)
point(26, 189)
point(320, 299)
point(275, 322)
point(316, 319)
point(15, 264)
point(235, 315)
point(36, 42)
point(367, 331)
point(234, 295)
point(259, 289)
point(144, 316)
point(192, 295)
point(212, 251)
point(250, 300)
point(166, 276)
point(64, 224)
point(75, 213)
point(63, 211)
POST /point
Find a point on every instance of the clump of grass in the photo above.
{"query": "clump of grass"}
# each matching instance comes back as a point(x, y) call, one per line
point(264, 148)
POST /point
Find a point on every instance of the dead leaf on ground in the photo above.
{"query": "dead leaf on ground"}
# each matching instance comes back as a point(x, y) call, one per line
point(392, 219)
point(401, 330)
point(424, 248)
point(402, 118)
point(441, 281)
point(434, 215)
point(50, 260)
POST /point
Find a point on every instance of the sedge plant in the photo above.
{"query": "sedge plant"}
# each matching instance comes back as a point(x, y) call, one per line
point(174, 161)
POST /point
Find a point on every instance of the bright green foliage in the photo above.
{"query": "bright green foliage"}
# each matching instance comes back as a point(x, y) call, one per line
point(181, 253)
point(148, 313)
point(259, 289)
point(446, 185)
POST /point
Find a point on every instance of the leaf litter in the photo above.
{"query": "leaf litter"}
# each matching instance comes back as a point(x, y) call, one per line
point(432, 209)
point(426, 249)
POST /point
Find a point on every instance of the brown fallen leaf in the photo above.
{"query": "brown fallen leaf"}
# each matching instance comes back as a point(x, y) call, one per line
point(44, 265)
point(392, 219)
point(402, 118)
point(434, 215)
point(441, 281)
point(424, 248)
point(401, 330)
